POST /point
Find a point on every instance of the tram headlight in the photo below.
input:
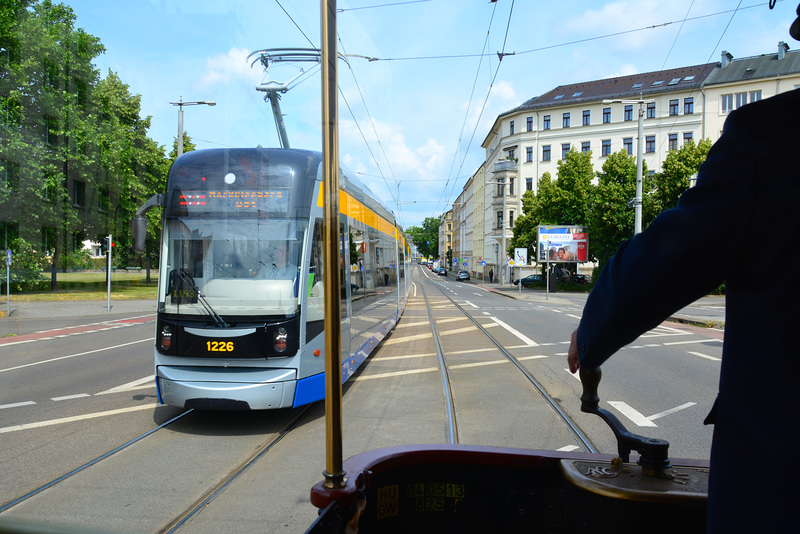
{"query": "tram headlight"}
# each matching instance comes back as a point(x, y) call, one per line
point(280, 340)
point(166, 338)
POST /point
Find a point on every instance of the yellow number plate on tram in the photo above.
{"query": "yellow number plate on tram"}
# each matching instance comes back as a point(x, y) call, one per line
point(219, 346)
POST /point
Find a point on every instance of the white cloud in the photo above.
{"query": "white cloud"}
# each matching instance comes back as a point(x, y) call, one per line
point(224, 68)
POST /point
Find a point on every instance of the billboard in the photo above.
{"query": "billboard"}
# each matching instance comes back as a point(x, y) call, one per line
point(562, 244)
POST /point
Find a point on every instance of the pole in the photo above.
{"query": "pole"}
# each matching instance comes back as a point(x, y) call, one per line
point(334, 472)
point(108, 270)
point(638, 200)
point(180, 127)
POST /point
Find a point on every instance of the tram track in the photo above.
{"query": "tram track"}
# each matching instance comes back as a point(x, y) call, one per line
point(197, 506)
point(442, 358)
point(90, 463)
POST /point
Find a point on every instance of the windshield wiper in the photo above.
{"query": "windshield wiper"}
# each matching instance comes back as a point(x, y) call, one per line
point(186, 279)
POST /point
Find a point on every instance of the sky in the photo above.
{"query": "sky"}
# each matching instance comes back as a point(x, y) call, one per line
point(422, 81)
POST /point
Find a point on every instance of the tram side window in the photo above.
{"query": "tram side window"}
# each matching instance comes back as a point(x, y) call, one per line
point(315, 312)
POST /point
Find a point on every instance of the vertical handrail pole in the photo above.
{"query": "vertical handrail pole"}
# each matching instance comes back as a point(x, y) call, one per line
point(334, 473)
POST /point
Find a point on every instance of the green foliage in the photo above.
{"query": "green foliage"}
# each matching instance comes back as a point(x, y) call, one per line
point(74, 148)
point(611, 220)
point(673, 179)
point(426, 238)
point(26, 268)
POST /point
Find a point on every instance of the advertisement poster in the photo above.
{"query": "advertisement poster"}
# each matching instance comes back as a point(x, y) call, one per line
point(563, 244)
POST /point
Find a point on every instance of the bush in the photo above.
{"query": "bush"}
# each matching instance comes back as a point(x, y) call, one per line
point(26, 268)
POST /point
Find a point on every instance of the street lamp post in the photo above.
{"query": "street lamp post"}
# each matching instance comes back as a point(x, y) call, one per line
point(637, 201)
point(180, 105)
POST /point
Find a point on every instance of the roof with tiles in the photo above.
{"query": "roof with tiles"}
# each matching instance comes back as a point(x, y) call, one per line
point(635, 85)
point(751, 68)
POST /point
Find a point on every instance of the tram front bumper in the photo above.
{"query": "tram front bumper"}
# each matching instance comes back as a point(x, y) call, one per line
point(226, 388)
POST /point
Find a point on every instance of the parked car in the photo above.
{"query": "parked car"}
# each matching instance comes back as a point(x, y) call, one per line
point(462, 275)
point(529, 280)
point(581, 279)
point(441, 271)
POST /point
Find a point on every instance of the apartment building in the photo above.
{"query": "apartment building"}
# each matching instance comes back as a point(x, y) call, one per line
point(601, 117)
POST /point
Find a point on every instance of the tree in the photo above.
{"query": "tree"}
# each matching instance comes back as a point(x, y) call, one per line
point(566, 201)
point(426, 238)
point(611, 219)
point(673, 179)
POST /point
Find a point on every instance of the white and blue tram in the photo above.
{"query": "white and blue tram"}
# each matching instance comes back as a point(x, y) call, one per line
point(240, 301)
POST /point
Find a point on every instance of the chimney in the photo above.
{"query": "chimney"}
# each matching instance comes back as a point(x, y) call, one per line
point(726, 58)
point(782, 49)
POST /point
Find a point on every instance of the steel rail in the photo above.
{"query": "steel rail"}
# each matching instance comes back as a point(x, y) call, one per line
point(200, 504)
point(90, 463)
point(571, 426)
point(452, 425)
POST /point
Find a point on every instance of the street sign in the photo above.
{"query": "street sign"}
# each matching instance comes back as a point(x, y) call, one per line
point(8, 257)
point(510, 263)
point(521, 256)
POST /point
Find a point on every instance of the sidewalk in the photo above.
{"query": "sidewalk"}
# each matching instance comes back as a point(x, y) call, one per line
point(66, 308)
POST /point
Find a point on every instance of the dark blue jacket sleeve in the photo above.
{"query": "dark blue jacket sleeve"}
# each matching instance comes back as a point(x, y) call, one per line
point(678, 258)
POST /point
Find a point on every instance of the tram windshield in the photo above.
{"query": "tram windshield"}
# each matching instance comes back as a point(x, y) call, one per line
point(235, 222)
point(240, 267)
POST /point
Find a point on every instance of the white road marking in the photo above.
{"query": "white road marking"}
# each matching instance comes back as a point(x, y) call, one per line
point(693, 341)
point(568, 448)
point(672, 410)
point(16, 405)
point(523, 337)
point(471, 304)
point(537, 357)
point(70, 397)
point(146, 382)
point(75, 355)
point(53, 422)
point(574, 317)
point(706, 356)
point(635, 417)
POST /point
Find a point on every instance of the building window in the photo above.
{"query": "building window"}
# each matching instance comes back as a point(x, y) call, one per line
point(673, 141)
point(687, 136)
point(627, 144)
point(650, 144)
point(103, 200)
point(727, 103)
point(511, 128)
point(741, 100)
point(499, 219)
point(688, 105)
point(755, 96)
point(564, 149)
point(606, 115)
point(529, 184)
point(500, 187)
point(78, 194)
point(628, 113)
point(511, 219)
point(606, 149)
point(546, 153)
point(529, 154)
point(529, 124)
point(586, 147)
point(587, 117)
point(546, 122)
point(673, 107)
point(511, 154)
point(651, 110)
point(565, 120)
point(511, 186)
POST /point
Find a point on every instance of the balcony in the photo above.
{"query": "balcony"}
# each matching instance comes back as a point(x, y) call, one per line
point(505, 165)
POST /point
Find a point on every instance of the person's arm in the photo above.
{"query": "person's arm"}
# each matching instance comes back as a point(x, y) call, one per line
point(668, 265)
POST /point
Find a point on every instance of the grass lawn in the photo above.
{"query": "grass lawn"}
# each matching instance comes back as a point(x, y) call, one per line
point(89, 285)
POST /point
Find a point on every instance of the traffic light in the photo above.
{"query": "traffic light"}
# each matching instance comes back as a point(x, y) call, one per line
point(104, 245)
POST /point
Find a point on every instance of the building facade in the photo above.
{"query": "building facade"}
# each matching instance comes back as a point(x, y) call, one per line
point(602, 117)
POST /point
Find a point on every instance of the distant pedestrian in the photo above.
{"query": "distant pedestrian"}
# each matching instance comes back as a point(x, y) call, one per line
point(491, 276)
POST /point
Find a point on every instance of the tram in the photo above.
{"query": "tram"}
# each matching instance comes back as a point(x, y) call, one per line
point(240, 315)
